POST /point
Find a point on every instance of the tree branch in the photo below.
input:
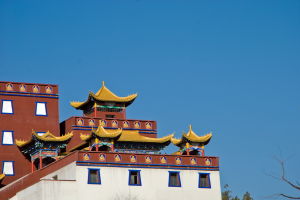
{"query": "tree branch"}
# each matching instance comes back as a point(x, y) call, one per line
point(289, 197)
point(285, 179)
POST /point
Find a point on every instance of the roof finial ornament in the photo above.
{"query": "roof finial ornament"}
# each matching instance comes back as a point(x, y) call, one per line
point(103, 83)
point(190, 127)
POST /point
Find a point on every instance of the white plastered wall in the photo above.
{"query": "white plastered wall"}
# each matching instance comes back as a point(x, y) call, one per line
point(114, 185)
point(67, 172)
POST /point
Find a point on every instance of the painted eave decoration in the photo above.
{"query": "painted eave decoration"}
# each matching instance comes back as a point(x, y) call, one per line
point(104, 95)
point(47, 137)
point(191, 136)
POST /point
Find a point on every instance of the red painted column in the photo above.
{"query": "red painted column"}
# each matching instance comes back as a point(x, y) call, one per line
point(187, 146)
point(95, 110)
point(124, 112)
point(32, 165)
point(41, 162)
point(112, 146)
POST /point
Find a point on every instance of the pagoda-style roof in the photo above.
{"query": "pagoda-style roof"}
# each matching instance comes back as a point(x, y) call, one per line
point(192, 137)
point(103, 95)
point(102, 133)
point(47, 137)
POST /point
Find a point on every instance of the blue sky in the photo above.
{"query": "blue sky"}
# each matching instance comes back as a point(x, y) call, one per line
point(230, 67)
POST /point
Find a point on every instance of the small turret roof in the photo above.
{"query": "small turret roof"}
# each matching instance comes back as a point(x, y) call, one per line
point(47, 137)
point(191, 136)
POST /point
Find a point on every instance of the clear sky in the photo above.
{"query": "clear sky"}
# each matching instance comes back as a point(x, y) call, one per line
point(230, 67)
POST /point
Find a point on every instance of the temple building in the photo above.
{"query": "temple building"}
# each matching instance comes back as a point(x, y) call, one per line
point(42, 149)
point(100, 155)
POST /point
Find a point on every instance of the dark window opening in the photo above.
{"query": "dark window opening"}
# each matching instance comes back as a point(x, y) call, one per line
point(204, 180)
point(194, 152)
point(104, 148)
point(134, 177)
point(94, 176)
point(110, 116)
point(174, 179)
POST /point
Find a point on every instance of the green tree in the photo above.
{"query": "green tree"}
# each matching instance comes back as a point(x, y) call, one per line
point(247, 196)
point(226, 193)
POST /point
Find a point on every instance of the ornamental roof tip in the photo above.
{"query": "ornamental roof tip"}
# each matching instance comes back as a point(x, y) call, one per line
point(85, 136)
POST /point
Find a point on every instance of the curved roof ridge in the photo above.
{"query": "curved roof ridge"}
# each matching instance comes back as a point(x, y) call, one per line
point(193, 137)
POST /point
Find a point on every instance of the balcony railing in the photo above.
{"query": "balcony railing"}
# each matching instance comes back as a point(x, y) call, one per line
point(87, 122)
point(151, 160)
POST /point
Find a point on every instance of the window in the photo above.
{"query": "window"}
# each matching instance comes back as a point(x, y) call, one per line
point(40, 133)
point(7, 107)
point(41, 109)
point(204, 180)
point(94, 176)
point(8, 168)
point(135, 178)
point(174, 179)
point(7, 137)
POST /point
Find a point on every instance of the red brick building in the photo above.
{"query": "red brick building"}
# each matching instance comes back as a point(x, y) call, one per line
point(24, 107)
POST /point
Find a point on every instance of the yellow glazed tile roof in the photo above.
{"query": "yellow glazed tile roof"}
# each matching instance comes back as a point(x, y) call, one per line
point(101, 132)
point(104, 94)
point(49, 137)
point(2, 176)
point(192, 137)
point(134, 136)
point(126, 136)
